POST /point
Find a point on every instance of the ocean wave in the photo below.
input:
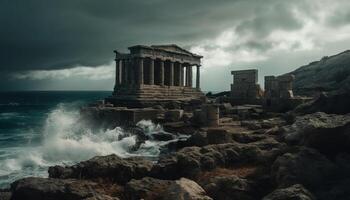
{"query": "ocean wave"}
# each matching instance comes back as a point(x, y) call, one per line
point(67, 140)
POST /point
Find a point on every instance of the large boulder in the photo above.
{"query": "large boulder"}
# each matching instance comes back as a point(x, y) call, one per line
point(228, 187)
point(337, 103)
point(146, 188)
point(110, 167)
point(218, 136)
point(328, 133)
point(185, 189)
point(190, 161)
point(5, 194)
point(306, 166)
point(162, 136)
point(55, 189)
point(294, 192)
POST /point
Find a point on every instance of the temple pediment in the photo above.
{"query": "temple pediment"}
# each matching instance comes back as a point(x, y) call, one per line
point(173, 48)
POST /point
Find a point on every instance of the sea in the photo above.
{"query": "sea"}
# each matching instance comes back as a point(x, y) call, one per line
point(39, 129)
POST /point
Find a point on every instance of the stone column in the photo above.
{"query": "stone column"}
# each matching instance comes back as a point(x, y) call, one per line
point(117, 73)
point(151, 72)
point(140, 72)
point(190, 76)
point(181, 74)
point(171, 74)
point(186, 76)
point(131, 71)
point(161, 72)
point(125, 71)
point(198, 78)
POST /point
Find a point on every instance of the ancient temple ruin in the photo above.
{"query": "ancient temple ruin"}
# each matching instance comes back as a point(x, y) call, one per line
point(278, 95)
point(245, 87)
point(280, 87)
point(152, 74)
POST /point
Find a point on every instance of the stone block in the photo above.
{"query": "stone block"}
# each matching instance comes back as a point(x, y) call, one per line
point(173, 115)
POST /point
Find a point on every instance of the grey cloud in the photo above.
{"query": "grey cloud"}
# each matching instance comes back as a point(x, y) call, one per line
point(58, 34)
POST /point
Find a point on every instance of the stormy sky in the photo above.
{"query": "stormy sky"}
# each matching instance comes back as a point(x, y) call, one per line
point(68, 44)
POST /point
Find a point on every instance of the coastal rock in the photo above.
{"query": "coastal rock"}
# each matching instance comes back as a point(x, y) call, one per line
point(109, 167)
point(55, 189)
point(5, 194)
point(218, 136)
point(179, 127)
point(247, 137)
point(162, 136)
point(185, 189)
point(228, 187)
point(101, 197)
point(307, 167)
point(190, 161)
point(294, 192)
point(146, 188)
point(197, 139)
point(335, 103)
point(318, 129)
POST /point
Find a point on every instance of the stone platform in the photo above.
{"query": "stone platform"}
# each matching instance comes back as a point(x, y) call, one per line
point(149, 95)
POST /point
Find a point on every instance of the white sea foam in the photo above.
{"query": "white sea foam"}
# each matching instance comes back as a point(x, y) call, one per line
point(66, 140)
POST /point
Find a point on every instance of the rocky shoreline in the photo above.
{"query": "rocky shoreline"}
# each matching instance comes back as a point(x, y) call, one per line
point(257, 155)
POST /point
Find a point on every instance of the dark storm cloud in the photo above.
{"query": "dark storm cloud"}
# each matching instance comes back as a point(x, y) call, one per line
point(40, 34)
point(48, 44)
point(53, 34)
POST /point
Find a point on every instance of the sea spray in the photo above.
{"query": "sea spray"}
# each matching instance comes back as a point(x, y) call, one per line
point(67, 140)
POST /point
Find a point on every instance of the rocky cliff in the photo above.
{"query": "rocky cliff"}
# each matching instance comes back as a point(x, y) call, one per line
point(330, 74)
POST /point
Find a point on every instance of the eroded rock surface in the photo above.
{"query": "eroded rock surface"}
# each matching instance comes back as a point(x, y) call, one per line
point(109, 167)
point(57, 189)
point(185, 189)
point(294, 192)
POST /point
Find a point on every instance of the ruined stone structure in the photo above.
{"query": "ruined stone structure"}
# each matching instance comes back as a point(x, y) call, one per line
point(278, 95)
point(245, 88)
point(152, 74)
point(280, 87)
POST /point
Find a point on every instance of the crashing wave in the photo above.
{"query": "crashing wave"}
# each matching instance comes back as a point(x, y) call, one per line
point(67, 140)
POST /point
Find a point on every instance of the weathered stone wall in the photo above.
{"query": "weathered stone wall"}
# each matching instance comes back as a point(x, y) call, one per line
point(245, 88)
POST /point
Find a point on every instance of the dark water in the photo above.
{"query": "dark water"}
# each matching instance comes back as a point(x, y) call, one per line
point(41, 129)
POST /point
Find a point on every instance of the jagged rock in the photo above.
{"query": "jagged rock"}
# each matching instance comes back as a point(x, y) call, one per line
point(185, 189)
point(146, 188)
point(228, 187)
point(5, 194)
point(247, 137)
point(109, 167)
point(189, 161)
point(306, 166)
point(294, 192)
point(252, 125)
point(101, 197)
point(162, 136)
point(54, 189)
point(335, 103)
point(197, 139)
point(318, 129)
point(179, 127)
point(218, 136)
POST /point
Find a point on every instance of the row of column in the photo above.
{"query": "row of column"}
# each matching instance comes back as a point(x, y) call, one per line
point(125, 73)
